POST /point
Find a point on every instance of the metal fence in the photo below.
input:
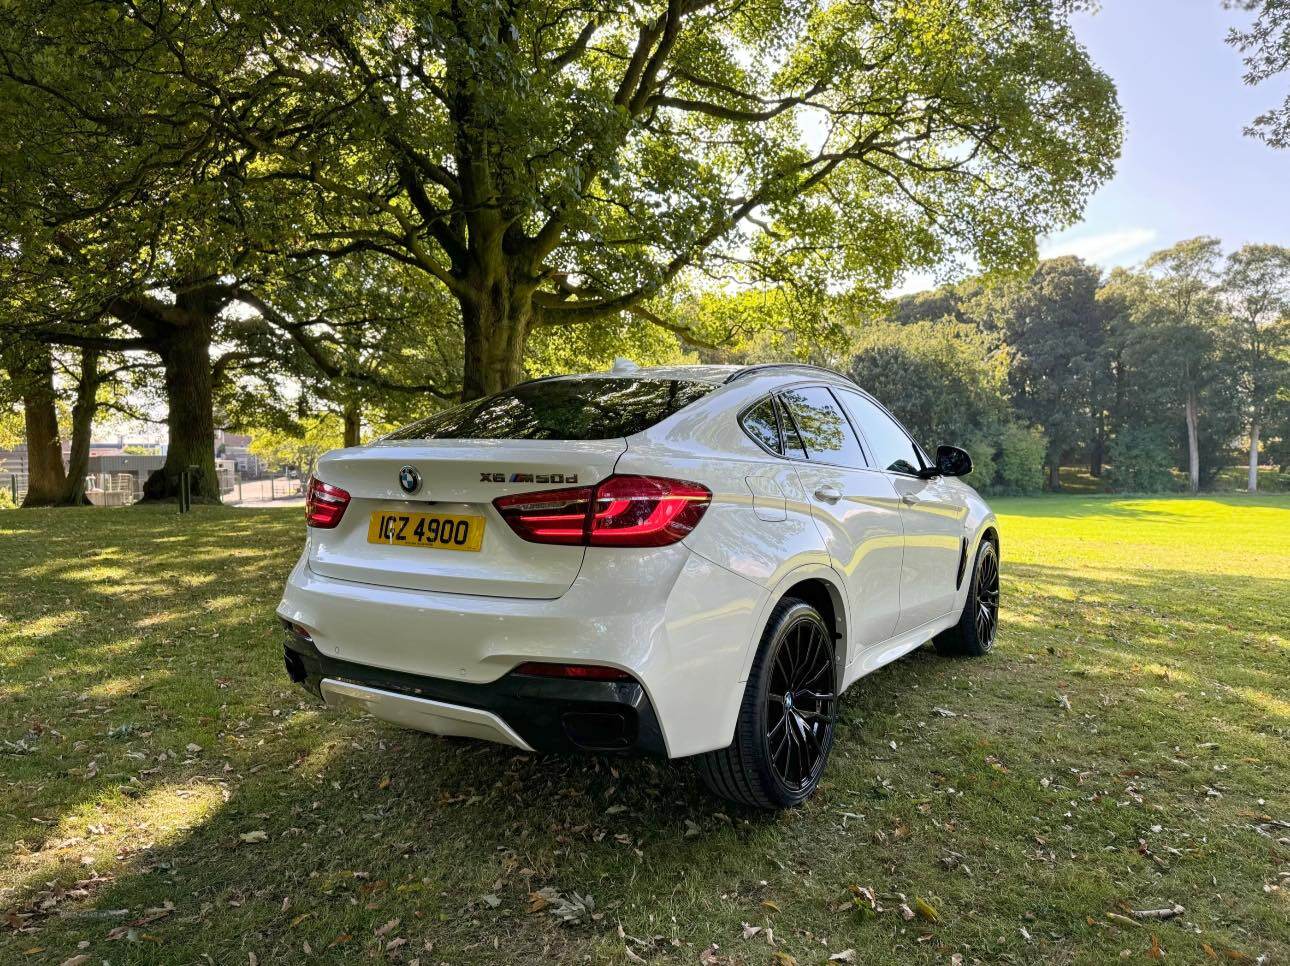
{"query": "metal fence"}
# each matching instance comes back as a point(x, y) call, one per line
point(16, 485)
point(122, 489)
point(274, 489)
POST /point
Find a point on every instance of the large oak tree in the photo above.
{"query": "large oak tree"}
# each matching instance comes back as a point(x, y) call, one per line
point(551, 164)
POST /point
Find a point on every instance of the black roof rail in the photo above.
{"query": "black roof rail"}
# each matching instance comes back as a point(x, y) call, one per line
point(750, 370)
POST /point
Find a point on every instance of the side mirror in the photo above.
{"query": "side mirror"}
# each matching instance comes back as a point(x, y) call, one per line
point(950, 461)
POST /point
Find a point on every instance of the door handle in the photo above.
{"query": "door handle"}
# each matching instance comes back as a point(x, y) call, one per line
point(828, 494)
point(908, 499)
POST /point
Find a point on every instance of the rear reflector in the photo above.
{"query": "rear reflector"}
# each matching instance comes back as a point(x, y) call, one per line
point(580, 672)
point(620, 511)
point(324, 504)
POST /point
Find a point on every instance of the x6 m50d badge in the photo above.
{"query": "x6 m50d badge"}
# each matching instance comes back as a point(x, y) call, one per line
point(528, 477)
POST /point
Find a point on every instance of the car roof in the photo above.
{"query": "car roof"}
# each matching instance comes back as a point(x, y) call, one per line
point(717, 374)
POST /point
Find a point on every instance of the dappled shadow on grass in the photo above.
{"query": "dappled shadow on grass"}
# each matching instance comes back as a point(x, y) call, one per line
point(77, 571)
point(1196, 619)
point(1049, 804)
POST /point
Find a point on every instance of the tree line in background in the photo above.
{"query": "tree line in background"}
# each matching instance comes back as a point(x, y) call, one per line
point(1134, 375)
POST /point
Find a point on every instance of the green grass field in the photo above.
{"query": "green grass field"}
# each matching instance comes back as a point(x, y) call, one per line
point(167, 796)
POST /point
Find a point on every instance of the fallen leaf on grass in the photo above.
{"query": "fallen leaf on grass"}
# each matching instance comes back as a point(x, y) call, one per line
point(783, 958)
point(538, 902)
point(76, 960)
point(750, 931)
point(259, 835)
point(846, 956)
point(569, 909)
point(389, 927)
point(1122, 920)
point(926, 910)
point(1156, 951)
point(768, 904)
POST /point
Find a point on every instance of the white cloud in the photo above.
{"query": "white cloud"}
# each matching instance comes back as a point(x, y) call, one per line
point(1105, 248)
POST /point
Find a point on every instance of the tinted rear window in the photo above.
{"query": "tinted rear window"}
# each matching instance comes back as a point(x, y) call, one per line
point(600, 408)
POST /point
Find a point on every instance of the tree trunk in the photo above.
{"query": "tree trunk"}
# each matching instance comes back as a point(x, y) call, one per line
point(1055, 475)
point(45, 474)
point(1098, 454)
point(1254, 456)
point(185, 356)
point(496, 319)
point(83, 410)
point(353, 415)
point(1193, 446)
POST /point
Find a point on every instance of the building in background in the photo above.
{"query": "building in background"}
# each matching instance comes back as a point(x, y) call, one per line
point(237, 448)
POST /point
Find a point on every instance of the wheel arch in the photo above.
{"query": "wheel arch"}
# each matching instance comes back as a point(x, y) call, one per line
point(819, 586)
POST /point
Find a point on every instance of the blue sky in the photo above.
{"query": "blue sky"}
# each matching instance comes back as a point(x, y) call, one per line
point(1186, 169)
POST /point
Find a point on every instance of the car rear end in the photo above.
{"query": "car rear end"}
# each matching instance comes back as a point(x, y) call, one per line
point(486, 572)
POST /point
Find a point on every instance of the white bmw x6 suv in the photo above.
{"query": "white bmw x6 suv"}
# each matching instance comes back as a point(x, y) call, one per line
point(690, 560)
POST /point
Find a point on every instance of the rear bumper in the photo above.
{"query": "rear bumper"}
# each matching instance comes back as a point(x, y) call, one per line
point(680, 625)
point(532, 713)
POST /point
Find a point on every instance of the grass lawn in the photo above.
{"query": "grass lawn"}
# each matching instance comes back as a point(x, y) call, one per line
point(167, 797)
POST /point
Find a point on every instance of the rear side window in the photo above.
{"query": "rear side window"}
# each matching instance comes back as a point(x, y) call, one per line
point(824, 429)
point(761, 424)
point(563, 409)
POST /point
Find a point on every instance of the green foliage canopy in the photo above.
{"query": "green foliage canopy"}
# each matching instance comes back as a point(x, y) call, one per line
point(553, 164)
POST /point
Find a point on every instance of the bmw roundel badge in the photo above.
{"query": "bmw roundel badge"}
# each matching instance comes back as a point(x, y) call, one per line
point(409, 479)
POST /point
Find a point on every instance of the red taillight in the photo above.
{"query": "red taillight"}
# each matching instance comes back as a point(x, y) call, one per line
point(620, 511)
point(324, 504)
point(646, 511)
point(552, 516)
point(580, 672)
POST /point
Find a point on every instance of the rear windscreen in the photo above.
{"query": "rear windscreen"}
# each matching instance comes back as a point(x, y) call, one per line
point(561, 409)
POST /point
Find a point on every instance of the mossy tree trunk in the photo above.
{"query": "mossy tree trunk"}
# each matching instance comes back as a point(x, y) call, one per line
point(83, 410)
point(46, 477)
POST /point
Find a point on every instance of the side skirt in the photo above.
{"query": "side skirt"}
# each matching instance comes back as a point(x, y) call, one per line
point(872, 658)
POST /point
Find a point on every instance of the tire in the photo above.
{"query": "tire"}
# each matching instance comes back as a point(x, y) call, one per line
point(974, 634)
point(786, 720)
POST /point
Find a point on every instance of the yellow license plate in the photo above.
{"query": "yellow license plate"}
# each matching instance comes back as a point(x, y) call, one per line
point(440, 531)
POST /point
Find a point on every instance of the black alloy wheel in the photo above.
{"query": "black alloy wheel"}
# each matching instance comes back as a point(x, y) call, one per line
point(787, 716)
point(978, 625)
point(801, 704)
